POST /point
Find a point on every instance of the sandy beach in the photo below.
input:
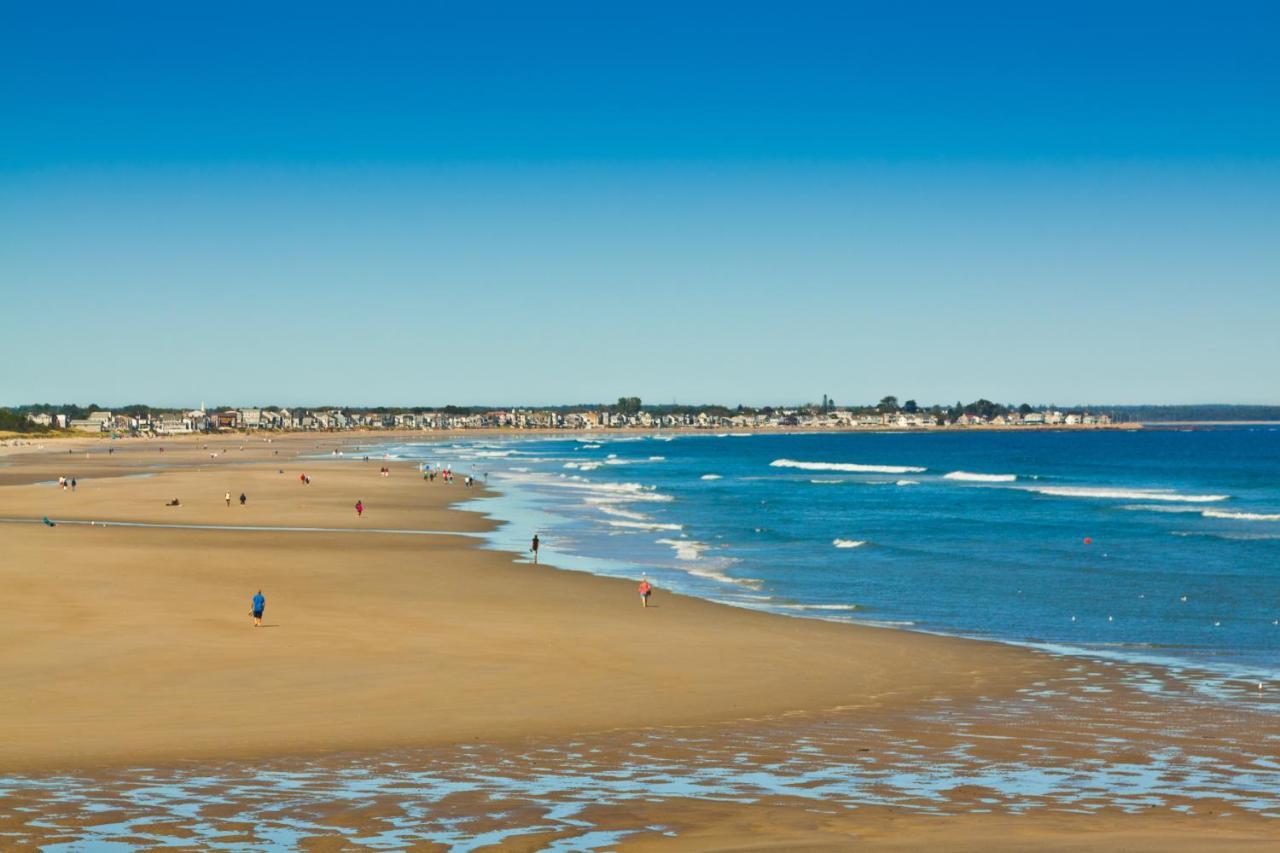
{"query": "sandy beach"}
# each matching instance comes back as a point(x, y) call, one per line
point(395, 632)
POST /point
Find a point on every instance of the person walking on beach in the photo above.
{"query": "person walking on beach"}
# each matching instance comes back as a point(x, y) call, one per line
point(227, 498)
point(359, 508)
point(534, 548)
point(259, 605)
point(73, 484)
point(242, 499)
point(645, 589)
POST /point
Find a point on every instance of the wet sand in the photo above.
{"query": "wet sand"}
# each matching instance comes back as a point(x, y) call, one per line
point(125, 646)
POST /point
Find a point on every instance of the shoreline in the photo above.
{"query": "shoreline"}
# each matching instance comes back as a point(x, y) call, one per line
point(1236, 676)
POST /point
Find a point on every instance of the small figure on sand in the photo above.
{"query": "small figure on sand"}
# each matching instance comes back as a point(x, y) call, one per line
point(534, 548)
point(174, 502)
point(645, 589)
point(242, 499)
point(227, 498)
point(73, 484)
point(259, 605)
point(359, 508)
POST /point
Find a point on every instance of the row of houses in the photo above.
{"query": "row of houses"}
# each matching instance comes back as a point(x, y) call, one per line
point(246, 419)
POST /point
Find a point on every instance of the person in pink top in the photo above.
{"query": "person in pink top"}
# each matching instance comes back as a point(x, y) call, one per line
point(359, 508)
point(645, 589)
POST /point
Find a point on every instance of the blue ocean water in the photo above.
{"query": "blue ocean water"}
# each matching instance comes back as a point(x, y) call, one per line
point(1158, 545)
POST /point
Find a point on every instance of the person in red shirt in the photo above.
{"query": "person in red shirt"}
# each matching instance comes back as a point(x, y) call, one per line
point(359, 508)
point(646, 589)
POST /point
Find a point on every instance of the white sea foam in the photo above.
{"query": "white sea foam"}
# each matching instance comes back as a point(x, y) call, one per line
point(1241, 516)
point(710, 477)
point(619, 513)
point(1159, 508)
point(591, 447)
point(827, 482)
point(603, 492)
point(1207, 513)
point(686, 549)
point(1123, 494)
point(845, 607)
point(908, 482)
point(980, 478)
point(657, 459)
point(643, 525)
point(583, 466)
point(690, 551)
point(848, 543)
point(846, 466)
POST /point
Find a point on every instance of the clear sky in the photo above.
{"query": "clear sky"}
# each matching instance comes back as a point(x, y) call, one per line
point(562, 202)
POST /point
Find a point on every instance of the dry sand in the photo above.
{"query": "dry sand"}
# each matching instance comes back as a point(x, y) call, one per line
point(124, 645)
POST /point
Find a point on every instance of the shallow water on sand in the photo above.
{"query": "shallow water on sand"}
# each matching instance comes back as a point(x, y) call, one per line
point(1082, 743)
point(1157, 546)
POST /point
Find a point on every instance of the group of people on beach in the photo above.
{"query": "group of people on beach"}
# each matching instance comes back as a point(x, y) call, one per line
point(243, 498)
point(67, 483)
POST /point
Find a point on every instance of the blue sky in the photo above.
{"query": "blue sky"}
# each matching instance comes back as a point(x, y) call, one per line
point(529, 203)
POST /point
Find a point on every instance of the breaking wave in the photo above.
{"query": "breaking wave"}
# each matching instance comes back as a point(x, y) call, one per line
point(848, 543)
point(709, 477)
point(1123, 494)
point(846, 466)
point(980, 478)
point(643, 525)
point(1241, 516)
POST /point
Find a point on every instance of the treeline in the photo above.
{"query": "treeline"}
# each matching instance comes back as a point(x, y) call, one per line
point(11, 421)
point(1195, 412)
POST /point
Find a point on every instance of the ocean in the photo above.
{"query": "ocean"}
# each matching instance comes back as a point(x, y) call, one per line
point(1156, 546)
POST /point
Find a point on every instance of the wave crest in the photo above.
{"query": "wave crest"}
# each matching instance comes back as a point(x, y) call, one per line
point(980, 478)
point(846, 466)
point(1123, 494)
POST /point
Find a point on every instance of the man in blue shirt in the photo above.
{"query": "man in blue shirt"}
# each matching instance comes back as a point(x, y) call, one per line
point(259, 605)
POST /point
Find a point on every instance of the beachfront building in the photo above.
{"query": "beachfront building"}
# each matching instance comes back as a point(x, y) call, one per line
point(87, 425)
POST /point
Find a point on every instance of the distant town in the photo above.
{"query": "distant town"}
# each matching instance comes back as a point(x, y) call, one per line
point(627, 413)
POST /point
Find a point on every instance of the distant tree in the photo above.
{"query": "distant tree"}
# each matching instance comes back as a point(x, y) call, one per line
point(1024, 410)
point(984, 408)
point(628, 405)
point(888, 404)
point(910, 407)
